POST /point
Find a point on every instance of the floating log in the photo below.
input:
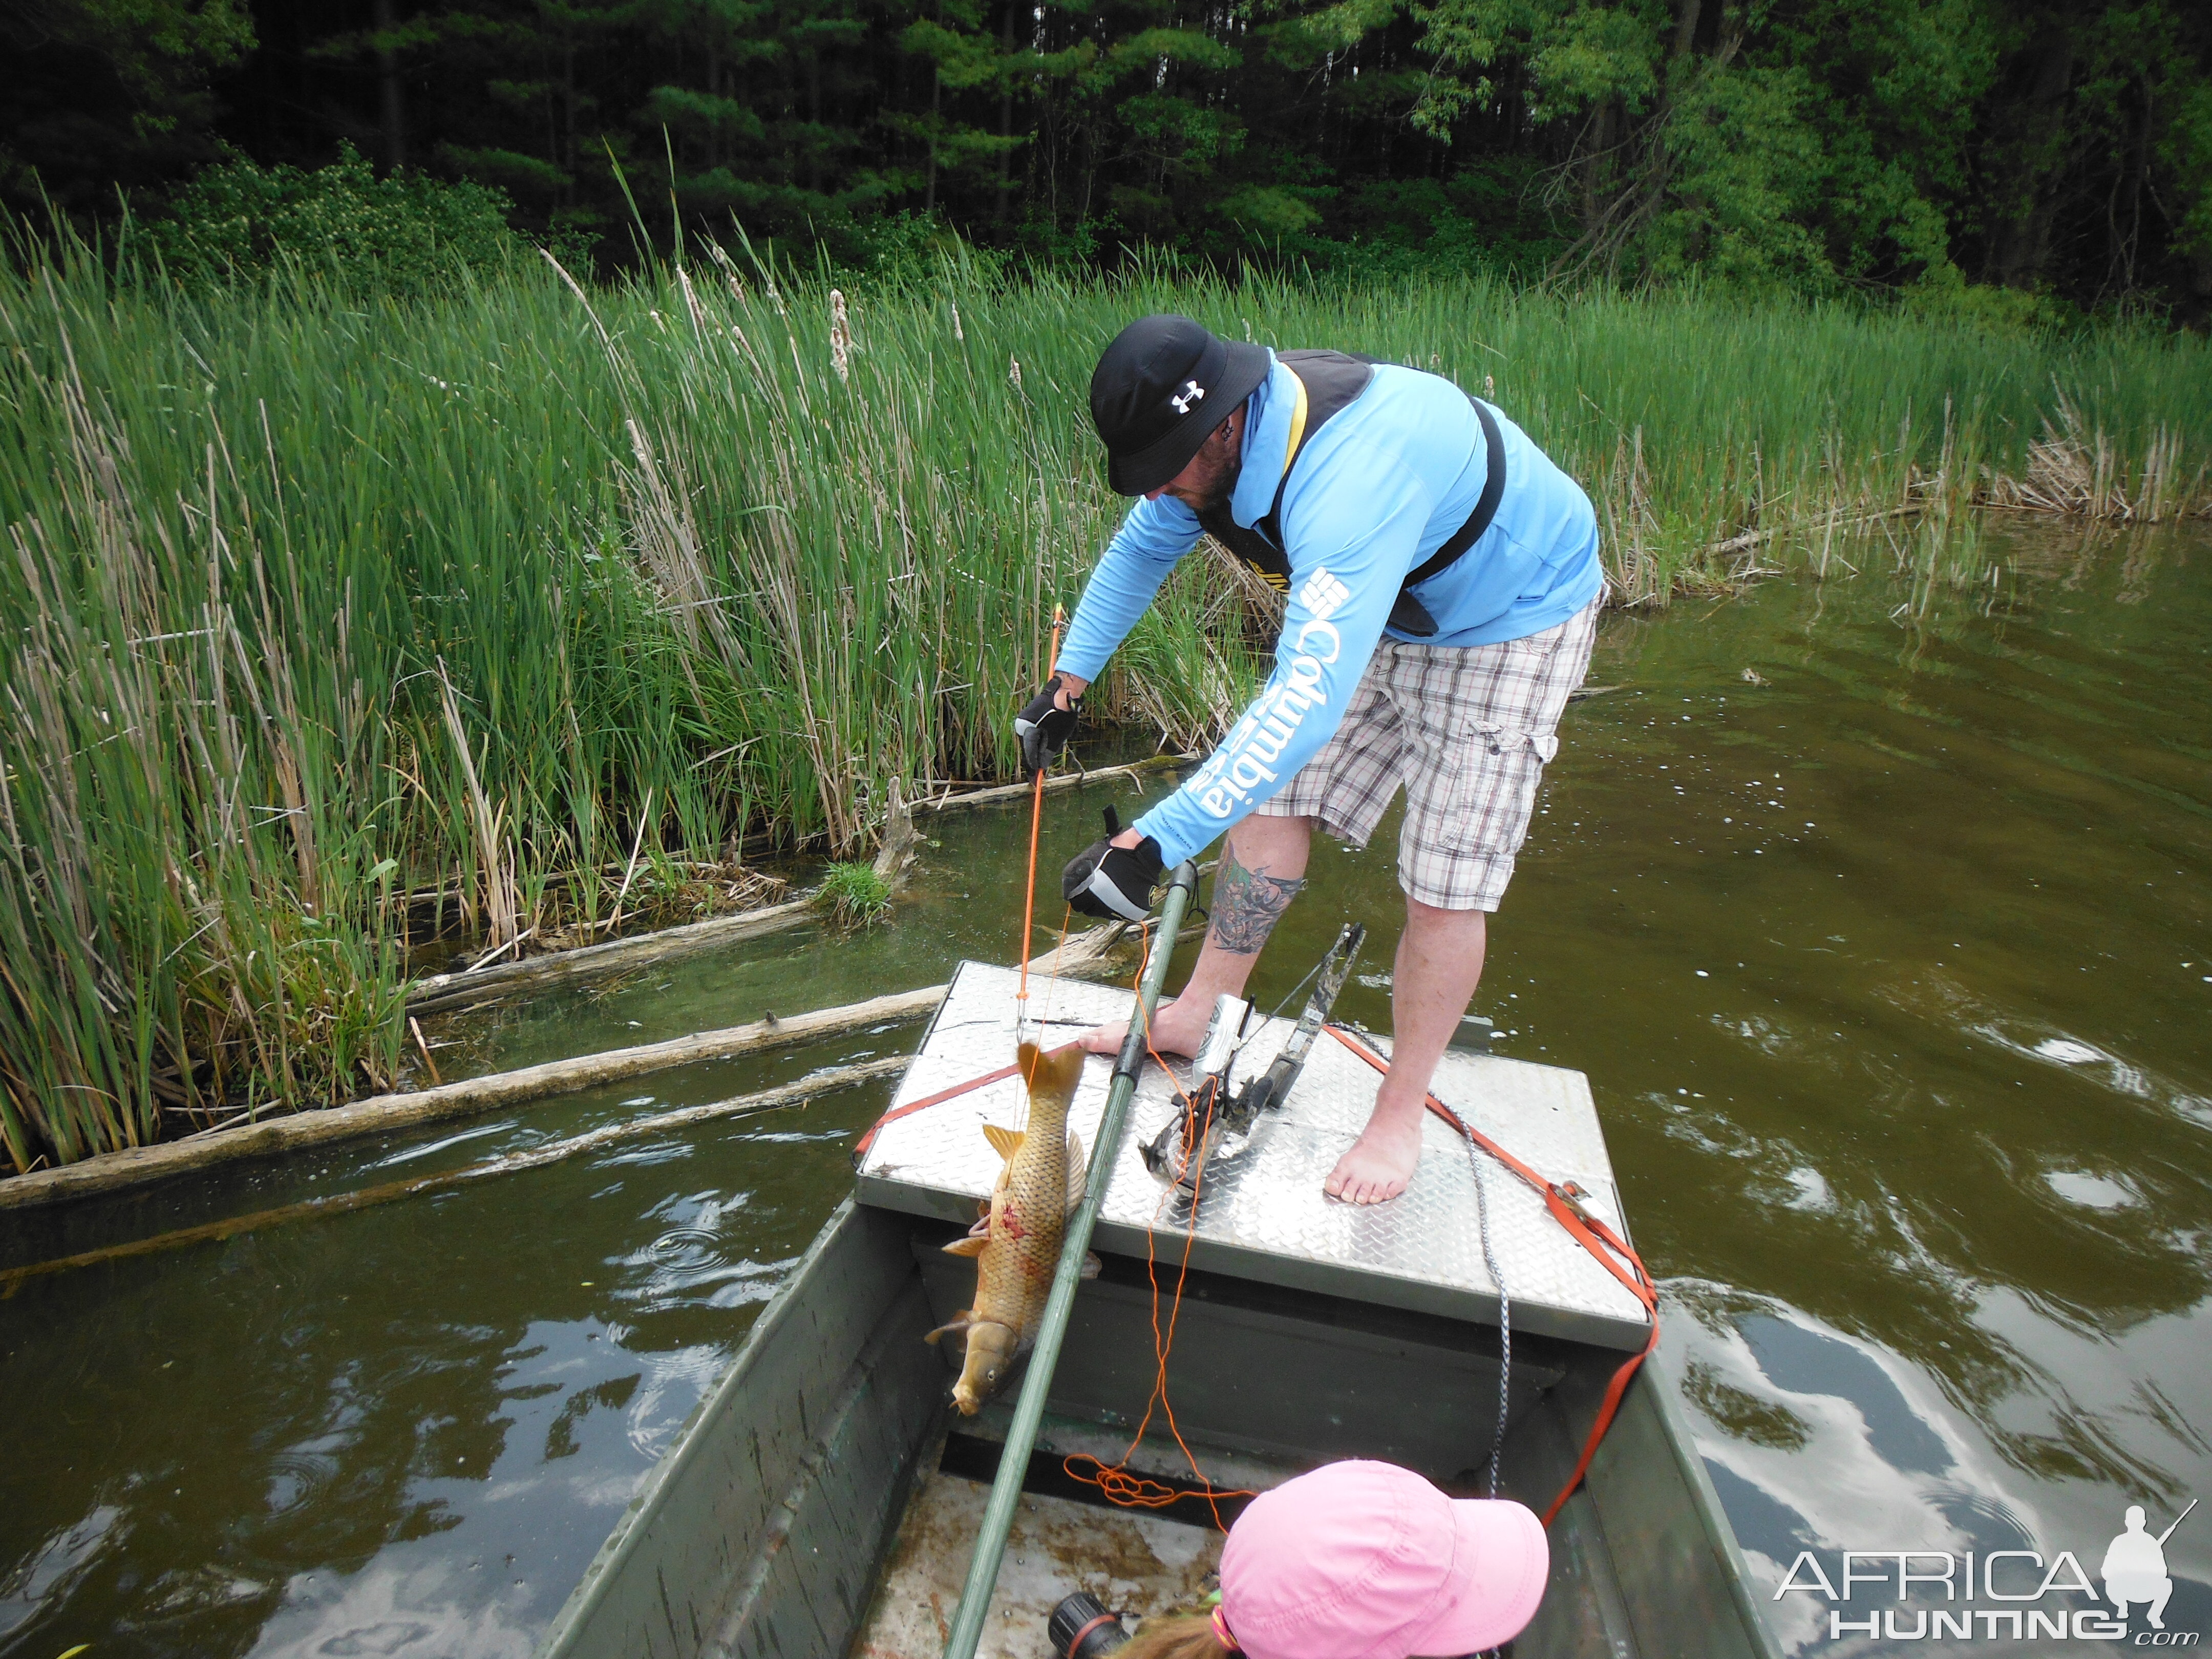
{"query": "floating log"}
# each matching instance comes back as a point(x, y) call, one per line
point(535, 1158)
point(1084, 955)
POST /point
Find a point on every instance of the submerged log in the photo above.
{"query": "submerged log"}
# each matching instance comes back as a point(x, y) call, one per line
point(946, 803)
point(444, 992)
point(1752, 539)
point(441, 992)
point(1083, 956)
point(534, 1158)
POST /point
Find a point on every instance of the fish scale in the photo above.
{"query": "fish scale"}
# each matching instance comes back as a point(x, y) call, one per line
point(1016, 1246)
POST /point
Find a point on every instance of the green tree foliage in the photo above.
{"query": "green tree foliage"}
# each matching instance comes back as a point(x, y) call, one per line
point(403, 234)
point(1817, 144)
point(1930, 148)
point(106, 92)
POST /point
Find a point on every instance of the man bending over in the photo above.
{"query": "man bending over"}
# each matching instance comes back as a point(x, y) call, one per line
point(1442, 585)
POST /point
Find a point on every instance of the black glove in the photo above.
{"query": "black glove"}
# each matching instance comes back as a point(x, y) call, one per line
point(1044, 726)
point(1105, 880)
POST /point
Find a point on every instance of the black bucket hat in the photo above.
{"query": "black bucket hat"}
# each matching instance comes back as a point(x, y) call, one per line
point(1160, 389)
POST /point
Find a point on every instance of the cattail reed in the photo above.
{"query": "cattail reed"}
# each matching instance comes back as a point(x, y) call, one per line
point(332, 623)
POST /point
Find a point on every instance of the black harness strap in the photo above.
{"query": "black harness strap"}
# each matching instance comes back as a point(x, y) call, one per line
point(1333, 381)
point(1485, 509)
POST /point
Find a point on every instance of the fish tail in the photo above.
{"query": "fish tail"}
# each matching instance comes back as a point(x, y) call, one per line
point(1052, 1078)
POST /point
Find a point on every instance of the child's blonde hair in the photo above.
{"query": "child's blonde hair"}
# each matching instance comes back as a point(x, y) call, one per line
point(1187, 1637)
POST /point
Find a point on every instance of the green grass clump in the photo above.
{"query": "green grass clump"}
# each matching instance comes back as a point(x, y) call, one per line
point(329, 618)
point(855, 893)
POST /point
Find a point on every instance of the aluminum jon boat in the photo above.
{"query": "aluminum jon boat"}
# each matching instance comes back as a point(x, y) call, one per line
point(824, 1499)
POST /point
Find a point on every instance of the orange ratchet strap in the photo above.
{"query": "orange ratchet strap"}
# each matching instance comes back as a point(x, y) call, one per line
point(868, 1140)
point(1607, 1247)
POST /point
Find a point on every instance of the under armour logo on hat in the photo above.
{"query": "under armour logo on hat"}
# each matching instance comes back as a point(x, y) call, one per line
point(1148, 382)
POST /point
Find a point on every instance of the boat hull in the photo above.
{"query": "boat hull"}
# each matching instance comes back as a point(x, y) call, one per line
point(763, 1529)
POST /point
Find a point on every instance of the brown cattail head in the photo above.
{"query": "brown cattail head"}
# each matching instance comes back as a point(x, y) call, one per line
point(841, 337)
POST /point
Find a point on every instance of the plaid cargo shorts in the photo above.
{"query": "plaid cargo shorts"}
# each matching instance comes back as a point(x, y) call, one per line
point(1467, 730)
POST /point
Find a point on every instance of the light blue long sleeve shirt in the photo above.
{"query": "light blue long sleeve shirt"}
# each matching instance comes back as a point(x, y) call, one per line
point(1378, 488)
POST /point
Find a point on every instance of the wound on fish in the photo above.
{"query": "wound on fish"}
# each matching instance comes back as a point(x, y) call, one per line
point(1040, 1177)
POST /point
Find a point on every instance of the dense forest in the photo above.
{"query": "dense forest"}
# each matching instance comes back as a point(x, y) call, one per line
point(2018, 155)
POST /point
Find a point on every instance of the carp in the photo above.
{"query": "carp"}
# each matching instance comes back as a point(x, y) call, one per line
point(1017, 1242)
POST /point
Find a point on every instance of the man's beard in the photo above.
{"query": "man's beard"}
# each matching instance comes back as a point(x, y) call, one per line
point(1214, 489)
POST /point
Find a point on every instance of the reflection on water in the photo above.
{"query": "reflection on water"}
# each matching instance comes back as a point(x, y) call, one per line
point(1904, 1044)
point(1876, 913)
point(404, 1435)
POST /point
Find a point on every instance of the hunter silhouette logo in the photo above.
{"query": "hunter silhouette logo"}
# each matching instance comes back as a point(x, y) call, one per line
point(1192, 393)
point(2134, 1567)
point(2000, 1596)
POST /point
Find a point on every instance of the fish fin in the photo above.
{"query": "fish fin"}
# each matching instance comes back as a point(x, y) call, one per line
point(1092, 1267)
point(961, 1320)
point(982, 1227)
point(1004, 1142)
point(1078, 1172)
point(969, 1244)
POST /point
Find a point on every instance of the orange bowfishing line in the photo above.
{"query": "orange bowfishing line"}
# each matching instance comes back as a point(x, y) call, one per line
point(1021, 956)
point(1614, 1252)
point(1037, 819)
point(1115, 1481)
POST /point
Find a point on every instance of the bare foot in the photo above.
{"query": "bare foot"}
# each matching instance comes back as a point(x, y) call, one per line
point(1173, 1031)
point(1381, 1161)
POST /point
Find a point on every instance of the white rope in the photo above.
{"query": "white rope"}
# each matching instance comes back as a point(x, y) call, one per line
point(1504, 1313)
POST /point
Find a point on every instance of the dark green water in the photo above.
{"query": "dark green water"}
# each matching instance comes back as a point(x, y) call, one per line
point(1892, 976)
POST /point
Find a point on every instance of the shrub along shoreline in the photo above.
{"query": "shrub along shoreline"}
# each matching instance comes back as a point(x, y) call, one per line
point(317, 604)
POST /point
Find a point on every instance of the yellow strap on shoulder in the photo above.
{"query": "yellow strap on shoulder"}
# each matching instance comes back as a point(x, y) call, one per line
point(1297, 423)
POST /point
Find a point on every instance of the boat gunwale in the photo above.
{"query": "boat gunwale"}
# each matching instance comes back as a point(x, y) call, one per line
point(1658, 1378)
point(690, 1442)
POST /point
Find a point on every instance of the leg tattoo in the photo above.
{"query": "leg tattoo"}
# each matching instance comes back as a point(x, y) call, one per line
point(1246, 905)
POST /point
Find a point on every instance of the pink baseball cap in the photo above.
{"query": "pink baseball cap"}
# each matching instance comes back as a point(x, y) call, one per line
point(1363, 1560)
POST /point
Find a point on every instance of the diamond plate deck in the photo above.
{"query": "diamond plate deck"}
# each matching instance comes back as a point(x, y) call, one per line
point(1262, 1215)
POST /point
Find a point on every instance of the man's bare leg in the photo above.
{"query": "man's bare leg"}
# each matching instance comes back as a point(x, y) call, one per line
point(1439, 964)
point(1262, 867)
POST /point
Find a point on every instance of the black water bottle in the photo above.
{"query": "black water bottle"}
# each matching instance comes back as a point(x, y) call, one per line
point(1081, 1628)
